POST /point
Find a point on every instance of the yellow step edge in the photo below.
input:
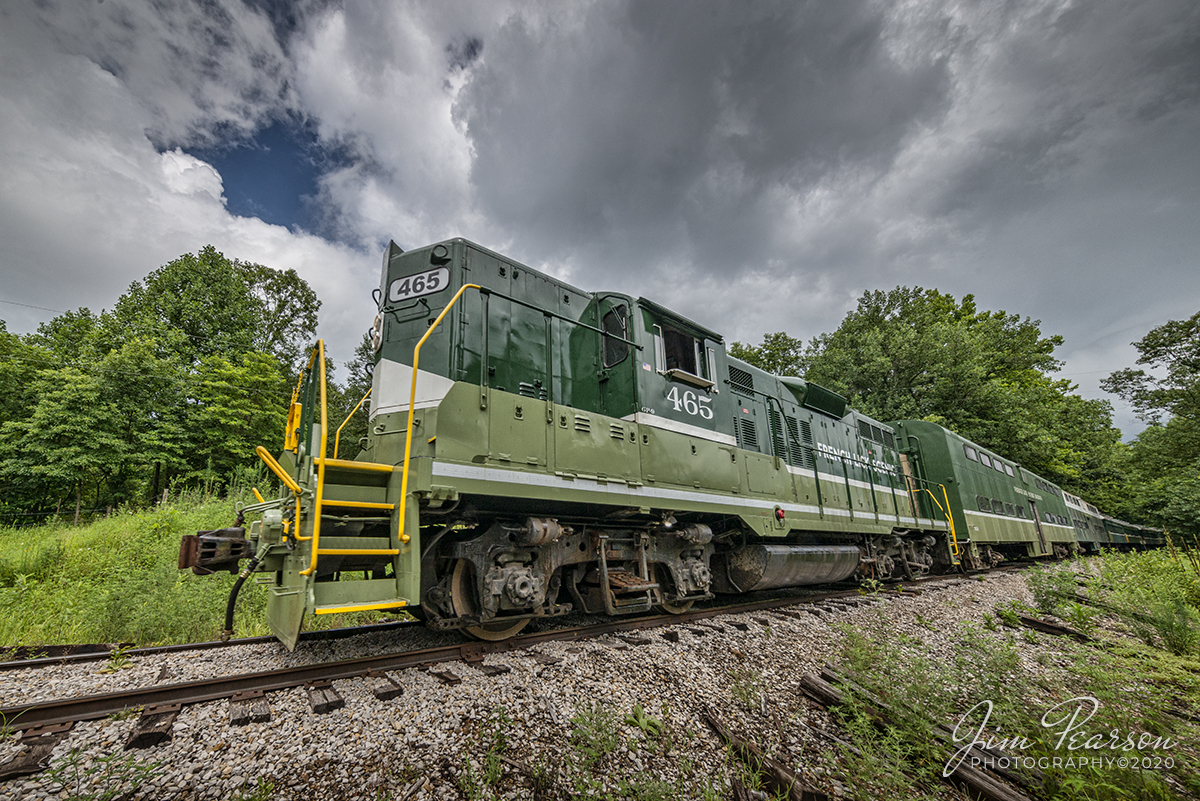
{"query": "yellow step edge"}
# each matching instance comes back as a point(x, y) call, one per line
point(347, 464)
point(332, 610)
point(356, 552)
point(358, 504)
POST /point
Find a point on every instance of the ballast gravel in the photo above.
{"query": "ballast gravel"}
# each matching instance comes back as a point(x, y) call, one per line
point(432, 741)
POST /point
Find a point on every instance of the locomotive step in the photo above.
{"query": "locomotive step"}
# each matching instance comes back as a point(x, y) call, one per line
point(336, 609)
point(622, 582)
point(332, 597)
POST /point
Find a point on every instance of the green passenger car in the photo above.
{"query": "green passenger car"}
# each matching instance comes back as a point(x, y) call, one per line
point(1004, 509)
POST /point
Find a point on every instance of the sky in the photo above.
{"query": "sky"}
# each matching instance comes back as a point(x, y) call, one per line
point(754, 165)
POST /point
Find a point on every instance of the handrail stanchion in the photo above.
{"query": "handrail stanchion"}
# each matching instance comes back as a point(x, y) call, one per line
point(412, 399)
point(338, 437)
point(316, 531)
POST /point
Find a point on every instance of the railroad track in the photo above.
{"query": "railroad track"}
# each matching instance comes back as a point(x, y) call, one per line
point(67, 654)
point(160, 704)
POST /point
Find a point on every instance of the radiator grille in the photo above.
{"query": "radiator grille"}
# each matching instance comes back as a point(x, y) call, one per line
point(741, 379)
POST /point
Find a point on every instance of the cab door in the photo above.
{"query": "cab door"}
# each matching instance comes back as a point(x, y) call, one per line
point(616, 378)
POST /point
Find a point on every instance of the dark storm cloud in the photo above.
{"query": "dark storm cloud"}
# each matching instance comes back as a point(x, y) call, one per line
point(664, 125)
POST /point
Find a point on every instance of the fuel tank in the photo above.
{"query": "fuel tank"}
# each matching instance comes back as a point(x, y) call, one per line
point(763, 567)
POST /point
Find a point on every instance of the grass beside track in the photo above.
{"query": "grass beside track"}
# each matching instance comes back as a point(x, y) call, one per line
point(116, 580)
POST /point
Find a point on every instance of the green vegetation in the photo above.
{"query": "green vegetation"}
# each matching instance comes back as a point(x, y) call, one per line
point(1157, 596)
point(479, 785)
point(747, 689)
point(116, 581)
point(172, 389)
point(106, 778)
point(1141, 686)
point(1164, 461)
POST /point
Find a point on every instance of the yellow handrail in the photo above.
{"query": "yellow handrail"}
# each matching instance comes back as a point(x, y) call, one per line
point(338, 437)
point(290, 482)
point(316, 534)
point(946, 512)
point(950, 517)
point(412, 400)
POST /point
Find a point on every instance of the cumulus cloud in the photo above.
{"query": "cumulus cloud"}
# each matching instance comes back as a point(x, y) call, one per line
point(89, 203)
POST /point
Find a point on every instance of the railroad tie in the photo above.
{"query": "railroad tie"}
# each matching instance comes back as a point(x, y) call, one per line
point(38, 743)
point(383, 687)
point(446, 676)
point(248, 707)
point(494, 670)
point(154, 726)
point(323, 698)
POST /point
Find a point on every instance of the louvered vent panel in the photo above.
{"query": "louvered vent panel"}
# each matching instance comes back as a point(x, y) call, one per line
point(741, 379)
point(864, 429)
point(777, 434)
point(806, 439)
point(582, 423)
point(616, 431)
point(877, 434)
point(795, 449)
point(532, 391)
point(749, 434)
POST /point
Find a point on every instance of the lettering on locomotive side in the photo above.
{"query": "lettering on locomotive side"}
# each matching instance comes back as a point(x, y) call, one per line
point(419, 285)
point(845, 455)
point(691, 403)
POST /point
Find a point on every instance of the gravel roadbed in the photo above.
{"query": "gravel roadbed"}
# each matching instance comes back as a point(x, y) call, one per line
point(417, 746)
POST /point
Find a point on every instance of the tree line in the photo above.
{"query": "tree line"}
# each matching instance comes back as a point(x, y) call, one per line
point(175, 386)
point(914, 353)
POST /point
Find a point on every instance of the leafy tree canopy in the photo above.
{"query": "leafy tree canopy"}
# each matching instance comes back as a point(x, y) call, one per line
point(188, 372)
point(205, 304)
point(1164, 460)
point(1172, 350)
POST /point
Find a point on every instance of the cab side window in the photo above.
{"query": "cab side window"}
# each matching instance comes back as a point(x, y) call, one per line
point(616, 348)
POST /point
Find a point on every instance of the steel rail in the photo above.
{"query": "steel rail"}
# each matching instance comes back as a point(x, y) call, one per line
point(96, 652)
point(92, 707)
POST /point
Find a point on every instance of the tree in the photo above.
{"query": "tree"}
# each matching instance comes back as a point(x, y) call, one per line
point(66, 336)
point(287, 310)
point(778, 354)
point(68, 444)
point(239, 405)
point(1173, 347)
point(184, 377)
point(19, 363)
point(1164, 460)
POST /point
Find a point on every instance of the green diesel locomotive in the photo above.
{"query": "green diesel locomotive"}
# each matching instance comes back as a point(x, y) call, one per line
point(535, 449)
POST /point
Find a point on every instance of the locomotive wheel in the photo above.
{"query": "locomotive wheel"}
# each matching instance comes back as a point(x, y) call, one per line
point(667, 606)
point(462, 594)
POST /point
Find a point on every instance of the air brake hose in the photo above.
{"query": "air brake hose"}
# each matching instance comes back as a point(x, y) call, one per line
point(233, 594)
